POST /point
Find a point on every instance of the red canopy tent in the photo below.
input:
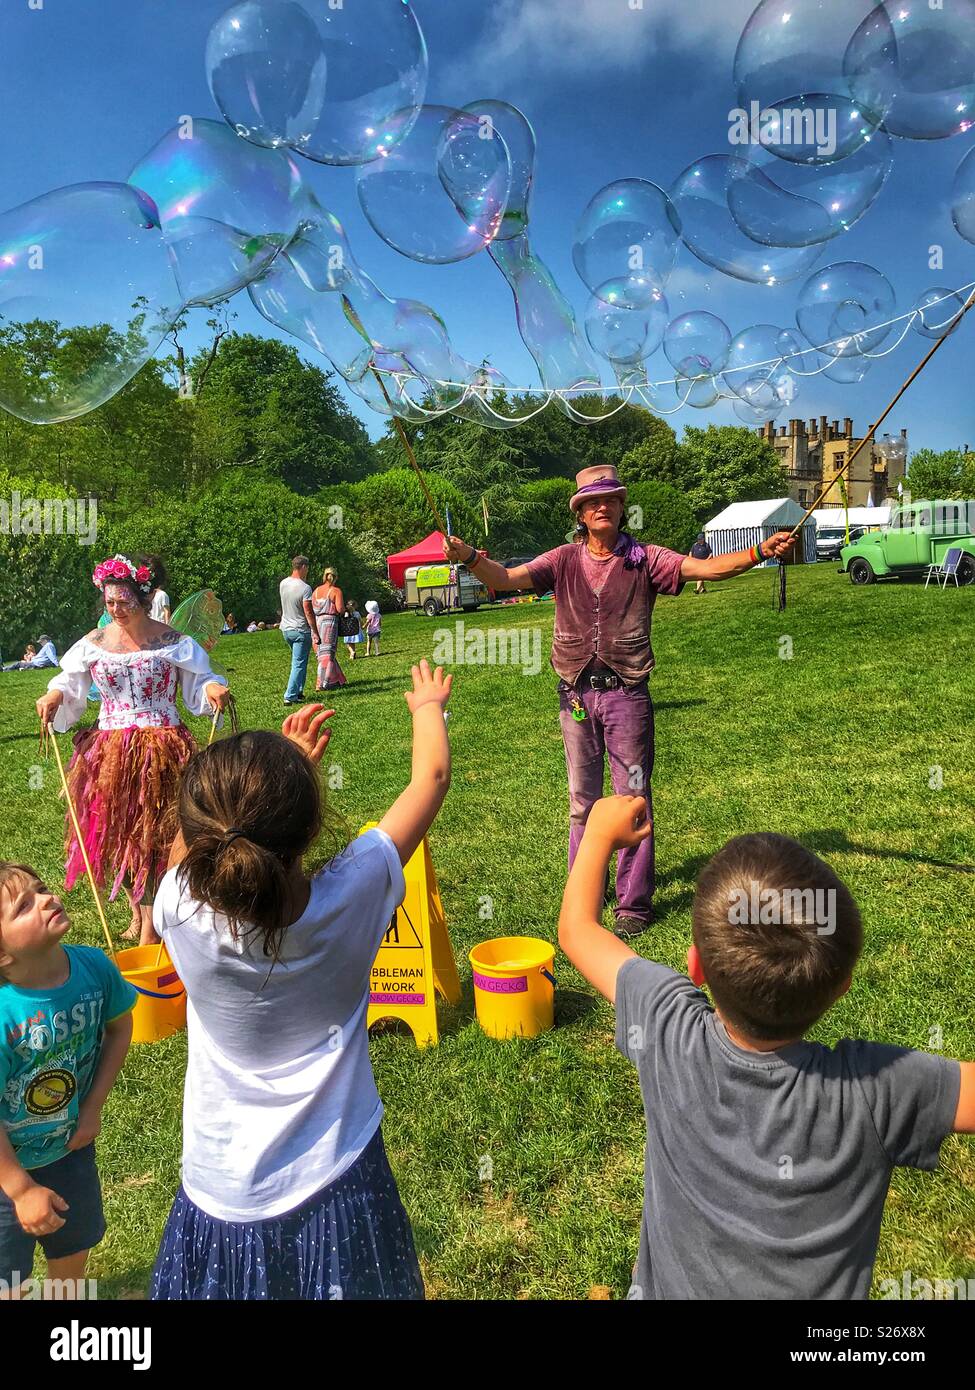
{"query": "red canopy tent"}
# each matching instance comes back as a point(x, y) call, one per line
point(426, 552)
point(429, 551)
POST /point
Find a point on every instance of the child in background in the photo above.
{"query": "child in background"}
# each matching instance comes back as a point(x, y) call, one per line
point(374, 624)
point(65, 1027)
point(351, 627)
point(768, 1158)
point(286, 1191)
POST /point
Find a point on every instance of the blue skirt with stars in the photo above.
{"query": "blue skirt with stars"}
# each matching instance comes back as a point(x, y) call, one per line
point(352, 1240)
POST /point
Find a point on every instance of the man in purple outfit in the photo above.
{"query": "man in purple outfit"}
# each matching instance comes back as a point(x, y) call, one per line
point(606, 584)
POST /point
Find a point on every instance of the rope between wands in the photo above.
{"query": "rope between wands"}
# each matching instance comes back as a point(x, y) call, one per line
point(49, 734)
point(411, 456)
point(871, 432)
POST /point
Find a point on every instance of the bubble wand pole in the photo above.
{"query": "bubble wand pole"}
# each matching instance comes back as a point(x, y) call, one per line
point(81, 844)
point(411, 456)
point(877, 423)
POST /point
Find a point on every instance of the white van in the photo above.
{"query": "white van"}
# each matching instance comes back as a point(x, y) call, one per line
point(443, 588)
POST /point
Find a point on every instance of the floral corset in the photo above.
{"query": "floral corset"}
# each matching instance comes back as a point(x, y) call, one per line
point(138, 690)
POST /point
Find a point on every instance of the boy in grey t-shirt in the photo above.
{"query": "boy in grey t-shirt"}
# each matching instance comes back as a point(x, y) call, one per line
point(768, 1158)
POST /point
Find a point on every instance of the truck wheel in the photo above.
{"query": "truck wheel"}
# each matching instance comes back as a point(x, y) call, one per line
point(861, 573)
point(966, 570)
point(432, 607)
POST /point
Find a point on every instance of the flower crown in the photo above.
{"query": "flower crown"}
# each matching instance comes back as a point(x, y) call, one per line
point(110, 571)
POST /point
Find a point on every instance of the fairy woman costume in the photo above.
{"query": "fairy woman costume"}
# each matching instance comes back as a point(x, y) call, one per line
point(124, 773)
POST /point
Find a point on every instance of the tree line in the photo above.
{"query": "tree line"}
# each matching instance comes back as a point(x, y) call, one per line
point(232, 460)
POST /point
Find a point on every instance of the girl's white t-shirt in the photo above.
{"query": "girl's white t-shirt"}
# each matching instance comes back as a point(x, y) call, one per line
point(280, 1098)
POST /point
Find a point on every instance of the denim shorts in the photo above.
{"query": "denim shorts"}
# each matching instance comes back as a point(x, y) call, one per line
point(75, 1178)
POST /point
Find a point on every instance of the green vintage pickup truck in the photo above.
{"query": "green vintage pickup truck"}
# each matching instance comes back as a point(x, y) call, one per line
point(918, 534)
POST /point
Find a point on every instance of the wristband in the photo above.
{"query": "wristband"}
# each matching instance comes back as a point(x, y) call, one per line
point(757, 555)
point(472, 558)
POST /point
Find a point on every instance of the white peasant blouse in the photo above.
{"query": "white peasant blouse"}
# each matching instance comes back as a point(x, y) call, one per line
point(138, 689)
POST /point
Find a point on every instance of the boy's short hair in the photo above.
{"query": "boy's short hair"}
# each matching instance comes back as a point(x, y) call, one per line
point(10, 875)
point(778, 934)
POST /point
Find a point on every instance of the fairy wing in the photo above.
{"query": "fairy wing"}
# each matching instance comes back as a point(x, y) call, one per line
point(201, 617)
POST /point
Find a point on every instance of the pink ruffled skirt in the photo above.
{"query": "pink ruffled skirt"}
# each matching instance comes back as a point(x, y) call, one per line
point(124, 784)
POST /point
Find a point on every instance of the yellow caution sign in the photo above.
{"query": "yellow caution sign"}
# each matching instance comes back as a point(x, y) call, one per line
point(416, 959)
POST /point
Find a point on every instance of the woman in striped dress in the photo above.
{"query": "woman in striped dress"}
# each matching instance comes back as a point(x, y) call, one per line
point(328, 603)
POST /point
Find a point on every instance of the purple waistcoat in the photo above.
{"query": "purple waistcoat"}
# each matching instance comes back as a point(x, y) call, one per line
point(613, 625)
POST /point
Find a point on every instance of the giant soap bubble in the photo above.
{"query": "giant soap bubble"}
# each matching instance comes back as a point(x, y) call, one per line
point(784, 204)
point(697, 342)
point(848, 371)
point(267, 69)
point(516, 131)
point(789, 75)
point(701, 197)
point(844, 309)
point(698, 391)
point(621, 334)
point(930, 88)
point(546, 320)
point(317, 292)
point(340, 84)
point(756, 416)
point(226, 207)
point(938, 312)
point(963, 197)
point(439, 195)
point(87, 294)
point(627, 235)
point(759, 367)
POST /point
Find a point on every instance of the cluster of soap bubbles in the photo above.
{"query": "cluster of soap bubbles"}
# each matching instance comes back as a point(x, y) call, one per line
point(217, 207)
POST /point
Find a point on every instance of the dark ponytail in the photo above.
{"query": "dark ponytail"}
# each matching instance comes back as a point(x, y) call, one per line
point(249, 807)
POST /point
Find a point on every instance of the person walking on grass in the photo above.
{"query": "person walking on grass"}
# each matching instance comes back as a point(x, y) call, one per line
point(286, 1189)
point(374, 627)
point(700, 550)
point(768, 1157)
point(606, 584)
point(327, 606)
point(351, 627)
point(297, 626)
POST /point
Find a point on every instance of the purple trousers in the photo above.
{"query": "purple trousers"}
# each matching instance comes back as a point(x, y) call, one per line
point(618, 725)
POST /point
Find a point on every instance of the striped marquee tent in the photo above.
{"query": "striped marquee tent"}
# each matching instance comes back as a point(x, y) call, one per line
point(745, 524)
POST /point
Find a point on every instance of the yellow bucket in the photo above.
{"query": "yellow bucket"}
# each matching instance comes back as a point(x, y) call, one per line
point(514, 988)
point(161, 1007)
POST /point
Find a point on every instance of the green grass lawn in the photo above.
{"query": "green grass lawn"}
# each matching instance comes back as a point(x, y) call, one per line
point(834, 746)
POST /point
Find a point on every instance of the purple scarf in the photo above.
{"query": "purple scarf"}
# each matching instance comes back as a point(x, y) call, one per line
point(633, 552)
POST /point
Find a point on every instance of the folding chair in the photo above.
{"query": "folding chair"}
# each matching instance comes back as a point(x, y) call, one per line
point(948, 569)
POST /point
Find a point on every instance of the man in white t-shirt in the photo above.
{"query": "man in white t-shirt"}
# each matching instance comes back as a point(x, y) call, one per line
point(297, 626)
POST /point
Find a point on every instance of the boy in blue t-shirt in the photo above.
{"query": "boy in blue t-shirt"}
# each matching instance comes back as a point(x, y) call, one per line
point(65, 1027)
point(768, 1158)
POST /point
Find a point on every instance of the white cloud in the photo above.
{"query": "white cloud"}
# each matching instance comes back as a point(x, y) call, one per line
point(577, 36)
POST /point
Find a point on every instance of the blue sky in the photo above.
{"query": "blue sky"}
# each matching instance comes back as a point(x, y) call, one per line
point(88, 86)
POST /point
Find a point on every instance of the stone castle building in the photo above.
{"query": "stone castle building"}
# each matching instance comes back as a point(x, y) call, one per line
point(812, 455)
